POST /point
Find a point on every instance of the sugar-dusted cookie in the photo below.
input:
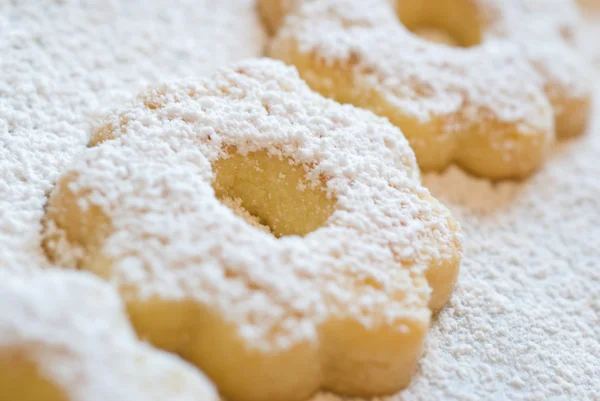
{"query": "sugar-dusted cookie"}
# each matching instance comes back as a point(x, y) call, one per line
point(491, 104)
point(280, 241)
point(590, 4)
point(65, 337)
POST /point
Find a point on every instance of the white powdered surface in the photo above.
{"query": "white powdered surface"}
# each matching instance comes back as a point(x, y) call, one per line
point(591, 47)
point(524, 322)
point(64, 63)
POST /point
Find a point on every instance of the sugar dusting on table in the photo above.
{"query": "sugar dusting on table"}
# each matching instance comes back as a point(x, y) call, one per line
point(523, 323)
point(64, 63)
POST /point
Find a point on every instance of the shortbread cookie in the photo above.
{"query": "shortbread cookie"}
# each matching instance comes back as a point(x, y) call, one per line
point(280, 241)
point(590, 4)
point(65, 337)
point(492, 105)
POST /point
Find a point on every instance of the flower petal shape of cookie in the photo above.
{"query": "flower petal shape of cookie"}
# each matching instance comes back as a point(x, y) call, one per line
point(492, 106)
point(66, 337)
point(278, 240)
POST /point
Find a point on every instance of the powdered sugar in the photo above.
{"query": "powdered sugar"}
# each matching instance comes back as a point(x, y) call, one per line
point(82, 342)
point(523, 323)
point(65, 62)
point(170, 237)
point(235, 204)
point(369, 33)
point(425, 81)
point(591, 30)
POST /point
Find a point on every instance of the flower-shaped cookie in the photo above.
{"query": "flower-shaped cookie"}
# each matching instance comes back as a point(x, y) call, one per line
point(65, 337)
point(492, 106)
point(280, 241)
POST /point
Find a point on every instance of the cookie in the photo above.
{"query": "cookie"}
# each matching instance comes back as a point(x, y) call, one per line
point(492, 105)
point(280, 241)
point(65, 337)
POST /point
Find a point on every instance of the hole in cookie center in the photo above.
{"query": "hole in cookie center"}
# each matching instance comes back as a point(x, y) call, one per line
point(454, 23)
point(272, 193)
point(436, 35)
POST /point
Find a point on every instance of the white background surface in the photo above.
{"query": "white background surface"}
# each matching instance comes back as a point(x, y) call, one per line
point(524, 322)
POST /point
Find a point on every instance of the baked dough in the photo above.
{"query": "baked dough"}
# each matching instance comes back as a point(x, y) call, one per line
point(590, 4)
point(492, 106)
point(280, 241)
point(65, 337)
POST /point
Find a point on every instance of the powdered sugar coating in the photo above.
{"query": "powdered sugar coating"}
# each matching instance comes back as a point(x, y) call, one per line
point(420, 78)
point(426, 79)
point(80, 340)
point(235, 204)
point(530, 245)
point(64, 63)
point(170, 237)
point(591, 30)
point(548, 33)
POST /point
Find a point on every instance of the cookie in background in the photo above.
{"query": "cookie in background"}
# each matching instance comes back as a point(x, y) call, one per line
point(493, 104)
point(67, 338)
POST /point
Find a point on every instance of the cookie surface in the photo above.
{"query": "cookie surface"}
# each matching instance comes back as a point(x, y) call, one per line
point(491, 105)
point(280, 241)
point(67, 338)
